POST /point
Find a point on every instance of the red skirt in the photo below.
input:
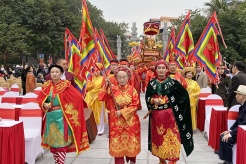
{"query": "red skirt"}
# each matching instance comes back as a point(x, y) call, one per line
point(165, 137)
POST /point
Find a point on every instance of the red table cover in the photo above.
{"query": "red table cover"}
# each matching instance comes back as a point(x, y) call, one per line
point(12, 144)
point(201, 114)
point(241, 147)
point(218, 124)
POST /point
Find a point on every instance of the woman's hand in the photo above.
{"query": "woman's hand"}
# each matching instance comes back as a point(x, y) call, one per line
point(118, 113)
point(107, 81)
point(46, 106)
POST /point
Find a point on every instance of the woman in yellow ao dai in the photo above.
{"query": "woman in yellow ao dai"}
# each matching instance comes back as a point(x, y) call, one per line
point(93, 87)
point(194, 90)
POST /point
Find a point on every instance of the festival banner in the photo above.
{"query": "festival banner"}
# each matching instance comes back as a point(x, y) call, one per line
point(105, 42)
point(70, 42)
point(207, 51)
point(184, 44)
point(105, 57)
point(169, 52)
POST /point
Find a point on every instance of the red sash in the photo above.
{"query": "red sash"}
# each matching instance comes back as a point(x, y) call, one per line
point(205, 95)
point(2, 92)
point(7, 114)
point(232, 115)
point(15, 89)
point(31, 113)
point(27, 100)
point(214, 102)
point(9, 100)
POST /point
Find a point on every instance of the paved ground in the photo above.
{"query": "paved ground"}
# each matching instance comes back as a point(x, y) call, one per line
point(98, 153)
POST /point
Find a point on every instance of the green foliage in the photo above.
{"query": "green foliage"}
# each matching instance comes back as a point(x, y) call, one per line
point(30, 27)
point(220, 6)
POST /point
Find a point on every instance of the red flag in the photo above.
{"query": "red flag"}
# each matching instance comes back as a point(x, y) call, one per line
point(169, 52)
point(207, 51)
point(105, 41)
point(184, 42)
point(69, 40)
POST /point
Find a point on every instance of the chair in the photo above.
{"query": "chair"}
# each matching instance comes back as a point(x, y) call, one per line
point(10, 81)
point(9, 97)
point(29, 97)
point(39, 85)
point(19, 85)
point(2, 92)
point(5, 86)
point(232, 116)
point(211, 101)
point(15, 89)
point(7, 111)
point(31, 115)
point(37, 90)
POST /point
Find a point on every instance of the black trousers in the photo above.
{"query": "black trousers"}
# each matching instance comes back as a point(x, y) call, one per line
point(225, 151)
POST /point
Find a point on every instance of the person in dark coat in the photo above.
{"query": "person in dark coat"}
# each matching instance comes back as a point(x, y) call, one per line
point(239, 79)
point(66, 75)
point(228, 138)
point(23, 79)
point(222, 88)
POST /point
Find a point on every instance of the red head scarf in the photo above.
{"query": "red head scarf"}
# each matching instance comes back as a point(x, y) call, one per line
point(125, 69)
point(159, 62)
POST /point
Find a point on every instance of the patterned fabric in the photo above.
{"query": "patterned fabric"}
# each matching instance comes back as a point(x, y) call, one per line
point(91, 97)
point(54, 127)
point(124, 137)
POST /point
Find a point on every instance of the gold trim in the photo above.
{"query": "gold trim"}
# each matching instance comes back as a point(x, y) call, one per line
point(74, 139)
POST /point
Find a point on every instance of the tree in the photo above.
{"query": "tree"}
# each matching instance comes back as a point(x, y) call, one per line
point(220, 6)
point(38, 26)
point(233, 25)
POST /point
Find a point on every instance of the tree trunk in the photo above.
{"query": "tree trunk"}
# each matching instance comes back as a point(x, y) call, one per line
point(21, 58)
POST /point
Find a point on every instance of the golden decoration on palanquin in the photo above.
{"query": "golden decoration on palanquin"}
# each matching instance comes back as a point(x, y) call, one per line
point(159, 45)
point(129, 58)
point(133, 44)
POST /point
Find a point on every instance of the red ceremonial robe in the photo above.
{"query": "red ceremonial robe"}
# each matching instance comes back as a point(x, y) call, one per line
point(72, 107)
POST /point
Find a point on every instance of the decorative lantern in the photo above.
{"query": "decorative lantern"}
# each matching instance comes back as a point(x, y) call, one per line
point(151, 28)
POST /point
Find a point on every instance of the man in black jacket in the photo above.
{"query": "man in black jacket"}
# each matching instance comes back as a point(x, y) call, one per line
point(239, 78)
point(228, 138)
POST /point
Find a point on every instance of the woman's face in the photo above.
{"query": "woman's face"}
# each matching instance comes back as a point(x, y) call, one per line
point(97, 73)
point(221, 70)
point(122, 78)
point(55, 73)
point(31, 69)
point(161, 70)
point(189, 75)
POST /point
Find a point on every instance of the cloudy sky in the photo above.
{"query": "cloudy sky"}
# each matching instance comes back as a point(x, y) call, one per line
point(141, 11)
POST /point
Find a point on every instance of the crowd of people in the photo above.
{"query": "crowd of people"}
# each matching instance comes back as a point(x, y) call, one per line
point(171, 96)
